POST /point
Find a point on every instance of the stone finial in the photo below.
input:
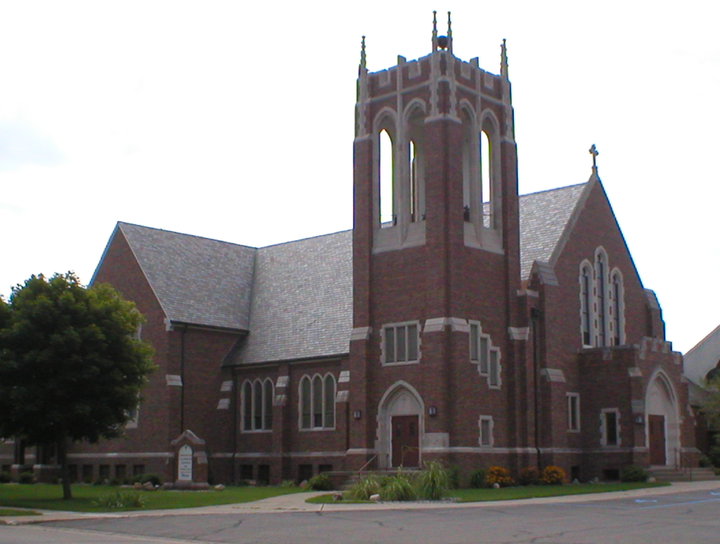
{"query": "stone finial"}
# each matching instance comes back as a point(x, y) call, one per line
point(503, 60)
point(363, 56)
point(434, 32)
point(449, 33)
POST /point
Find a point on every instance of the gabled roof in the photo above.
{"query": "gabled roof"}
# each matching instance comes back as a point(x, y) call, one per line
point(196, 280)
point(295, 298)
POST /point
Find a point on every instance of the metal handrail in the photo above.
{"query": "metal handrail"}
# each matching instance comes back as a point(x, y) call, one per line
point(358, 471)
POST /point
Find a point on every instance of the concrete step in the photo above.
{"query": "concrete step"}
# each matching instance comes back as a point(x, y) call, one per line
point(345, 479)
point(695, 474)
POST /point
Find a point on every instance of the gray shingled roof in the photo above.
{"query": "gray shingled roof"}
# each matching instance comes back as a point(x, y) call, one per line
point(543, 218)
point(295, 298)
point(196, 280)
point(302, 300)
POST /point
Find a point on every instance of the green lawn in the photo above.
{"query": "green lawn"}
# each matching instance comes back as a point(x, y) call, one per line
point(49, 497)
point(530, 491)
point(525, 492)
point(11, 512)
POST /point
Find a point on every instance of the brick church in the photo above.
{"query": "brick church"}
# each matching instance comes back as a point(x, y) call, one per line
point(457, 320)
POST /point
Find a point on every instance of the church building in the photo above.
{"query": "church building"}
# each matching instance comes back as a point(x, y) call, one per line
point(457, 320)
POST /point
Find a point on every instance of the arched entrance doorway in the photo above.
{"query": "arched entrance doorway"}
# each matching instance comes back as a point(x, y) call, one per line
point(662, 424)
point(400, 425)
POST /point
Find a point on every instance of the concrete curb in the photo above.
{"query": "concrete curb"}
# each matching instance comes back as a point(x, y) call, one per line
point(296, 503)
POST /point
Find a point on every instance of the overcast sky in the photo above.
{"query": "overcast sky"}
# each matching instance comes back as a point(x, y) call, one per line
point(235, 122)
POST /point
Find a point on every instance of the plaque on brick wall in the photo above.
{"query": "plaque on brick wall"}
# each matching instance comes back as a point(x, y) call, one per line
point(185, 463)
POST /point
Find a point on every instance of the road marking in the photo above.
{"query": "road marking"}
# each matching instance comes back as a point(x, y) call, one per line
point(646, 500)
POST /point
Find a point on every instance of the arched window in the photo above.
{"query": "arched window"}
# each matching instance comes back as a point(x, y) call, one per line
point(247, 406)
point(601, 298)
point(386, 176)
point(305, 403)
point(586, 304)
point(486, 169)
point(317, 397)
point(267, 404)
point(618, 309)
point(257, 403)
point(317, 402)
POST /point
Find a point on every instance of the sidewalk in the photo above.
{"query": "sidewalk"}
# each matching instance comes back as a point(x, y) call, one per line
point(296, 503)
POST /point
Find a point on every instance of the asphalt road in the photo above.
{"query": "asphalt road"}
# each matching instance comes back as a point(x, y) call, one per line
point(692, 517)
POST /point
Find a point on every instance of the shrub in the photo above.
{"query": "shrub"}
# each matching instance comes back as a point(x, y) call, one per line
point(287, 484)
point(121, 499)
point(433, 481)
point(364, 488)
point(398, 488)
point(633, 473)
point(320, 482)
point(529, 476)
point(26, 478)
point(704, 461)
point(552, 475)
point(454, 477)
point(4, 477)
point(498, 475)
point(149, 477)
point(714, 451)
point(477, 478)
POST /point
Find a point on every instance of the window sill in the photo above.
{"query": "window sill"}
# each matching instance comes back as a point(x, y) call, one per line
point(256, 431)
point(402, 363)
point(316, 429)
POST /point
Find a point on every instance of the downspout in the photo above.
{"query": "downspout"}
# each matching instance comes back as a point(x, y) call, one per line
point(233, 474)
point(182, 378)
point(534, 318)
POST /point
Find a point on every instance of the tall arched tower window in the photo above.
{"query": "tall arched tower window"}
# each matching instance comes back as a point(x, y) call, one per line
point(486, 185)
point(472, 201)
point(414, 196)
point(386, 178)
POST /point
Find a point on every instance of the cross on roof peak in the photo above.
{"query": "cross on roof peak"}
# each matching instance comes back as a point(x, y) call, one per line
point(594, 152)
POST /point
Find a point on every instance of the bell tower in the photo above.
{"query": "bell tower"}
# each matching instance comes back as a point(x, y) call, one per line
point(435, 243)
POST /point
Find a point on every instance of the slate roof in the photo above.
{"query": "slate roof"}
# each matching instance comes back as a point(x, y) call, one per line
point(302, 300)
point(196, 280)
point(543, 218)
point(296, 298)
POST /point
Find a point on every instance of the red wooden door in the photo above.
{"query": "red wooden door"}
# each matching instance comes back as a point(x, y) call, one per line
point(405, 441)
point(656, 435)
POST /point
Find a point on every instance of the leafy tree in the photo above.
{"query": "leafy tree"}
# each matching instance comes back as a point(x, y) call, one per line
point(711, 404)
point(71, 367)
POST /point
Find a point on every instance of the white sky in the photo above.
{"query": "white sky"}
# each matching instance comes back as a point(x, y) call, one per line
point(234, 122)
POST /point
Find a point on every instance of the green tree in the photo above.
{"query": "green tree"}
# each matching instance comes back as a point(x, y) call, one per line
point(711, 404)
point(71, 365)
